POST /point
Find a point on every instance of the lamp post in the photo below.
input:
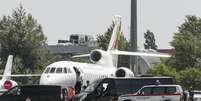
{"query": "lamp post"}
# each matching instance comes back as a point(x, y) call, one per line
point(133, 36)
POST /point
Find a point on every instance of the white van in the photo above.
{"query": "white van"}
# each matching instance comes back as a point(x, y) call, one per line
point(196, 95)
point(155, 93)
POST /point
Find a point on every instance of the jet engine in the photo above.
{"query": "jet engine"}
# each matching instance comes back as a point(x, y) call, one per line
point(101, 57)
point(124, 72)
point(8, 84)
point(95, 56)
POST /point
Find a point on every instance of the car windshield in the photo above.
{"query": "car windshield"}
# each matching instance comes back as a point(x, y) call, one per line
point(13, 91)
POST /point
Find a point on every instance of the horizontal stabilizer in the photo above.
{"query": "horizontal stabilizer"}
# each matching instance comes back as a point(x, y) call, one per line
point(84, 55)
point(153, 54)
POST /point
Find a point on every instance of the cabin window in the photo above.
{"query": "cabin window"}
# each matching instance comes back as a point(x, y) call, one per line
point(65, 70)
point(52, 70)
point(69, 71)
point(47, 70)
point(59, 70)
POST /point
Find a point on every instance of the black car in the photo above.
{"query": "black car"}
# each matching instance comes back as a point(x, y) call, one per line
point(109, 89)
point(33, 93)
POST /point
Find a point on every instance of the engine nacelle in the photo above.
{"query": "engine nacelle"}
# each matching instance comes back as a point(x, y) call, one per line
point(95, 56)
point(101, 57)
point(124, 72)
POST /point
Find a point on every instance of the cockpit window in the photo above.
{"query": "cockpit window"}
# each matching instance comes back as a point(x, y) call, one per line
point(59, 70)
point(47, 70)
point(52, 70)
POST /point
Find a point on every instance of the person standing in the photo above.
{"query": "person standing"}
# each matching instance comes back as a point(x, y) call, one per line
point(87, 83)
point(71, 94)
point(191, 93)
point(79, 82)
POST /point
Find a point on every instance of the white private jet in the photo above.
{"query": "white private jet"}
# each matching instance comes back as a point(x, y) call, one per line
point(67, 73)
point(6, 83)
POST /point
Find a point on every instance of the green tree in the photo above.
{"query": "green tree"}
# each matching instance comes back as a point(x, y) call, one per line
point(190, 78)
point(104, 39)
point(185, 63)
point(187, 44)
point(103, 42)
point(22, 36)
point(149, 40)
point(161, 69)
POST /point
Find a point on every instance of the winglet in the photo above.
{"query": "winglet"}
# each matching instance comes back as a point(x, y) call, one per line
point(115, 34)
point(8, 68)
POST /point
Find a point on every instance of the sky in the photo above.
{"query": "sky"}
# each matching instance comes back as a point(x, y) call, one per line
point(60, 18)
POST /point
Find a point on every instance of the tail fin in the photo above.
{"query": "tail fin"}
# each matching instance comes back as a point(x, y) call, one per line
point(113, 45)
point(115, 34)
point(8, 68)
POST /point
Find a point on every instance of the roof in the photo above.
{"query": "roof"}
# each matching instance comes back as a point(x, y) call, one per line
point(169, 51)
point(62, 49)
point(161, 85)
point(133, 78)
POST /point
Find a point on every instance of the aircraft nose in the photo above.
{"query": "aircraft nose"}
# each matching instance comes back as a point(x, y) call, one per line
point(48, 76)
point(45, 80)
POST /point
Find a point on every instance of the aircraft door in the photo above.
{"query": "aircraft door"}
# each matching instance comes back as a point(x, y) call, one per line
point(79, 79)
point(69, 77)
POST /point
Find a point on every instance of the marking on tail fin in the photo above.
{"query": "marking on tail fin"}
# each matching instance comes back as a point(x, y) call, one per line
point(115, 34)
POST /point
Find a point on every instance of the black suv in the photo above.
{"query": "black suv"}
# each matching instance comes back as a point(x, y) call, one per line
point(109, 89)
point(33, 93)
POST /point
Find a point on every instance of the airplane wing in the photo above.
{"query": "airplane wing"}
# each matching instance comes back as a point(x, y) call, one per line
point(21, 75)
point(84, 55)
point(154, 54)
